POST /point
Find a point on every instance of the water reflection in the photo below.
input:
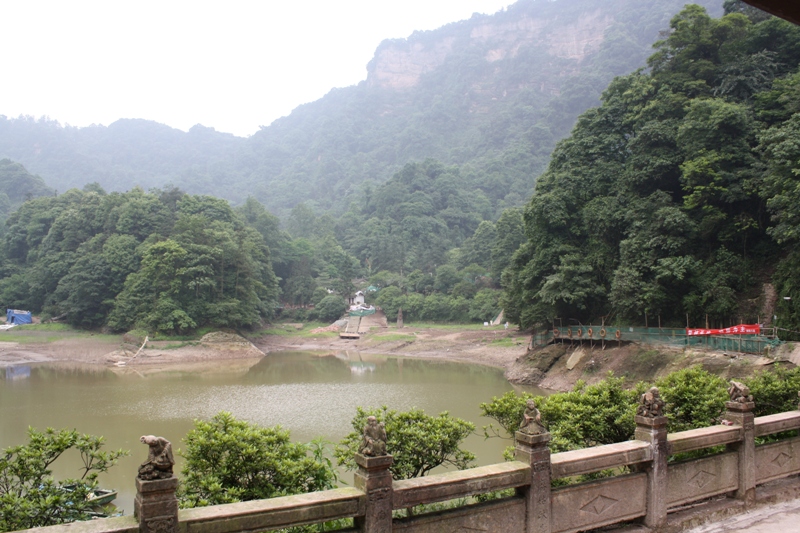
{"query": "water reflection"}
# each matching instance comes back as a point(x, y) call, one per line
point(311, 394)
point(18, 372)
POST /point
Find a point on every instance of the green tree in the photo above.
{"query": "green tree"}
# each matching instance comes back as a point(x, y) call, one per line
point(447, 277)
point(695, 398)
point(390, 299)
point(29, 495)
point(510, 229)
point(230, 460)
point(418, 442)
point(485, 305)
point(331, 308)
point(775, 391)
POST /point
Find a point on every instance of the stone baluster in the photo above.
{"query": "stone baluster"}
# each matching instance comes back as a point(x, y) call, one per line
point(533, 449)
point(155, 506)
point(739, 411)
point(374, 478)
point(654, 431)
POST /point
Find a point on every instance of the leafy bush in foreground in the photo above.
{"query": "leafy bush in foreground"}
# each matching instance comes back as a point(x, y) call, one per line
point(230, 460)
point(30, 497)
point(418, 442)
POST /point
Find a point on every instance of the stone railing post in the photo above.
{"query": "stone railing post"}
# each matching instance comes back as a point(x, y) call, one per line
point(155, 506)
point(740, 413)
point(534, 450)
point(653, 429)
point(374, 478)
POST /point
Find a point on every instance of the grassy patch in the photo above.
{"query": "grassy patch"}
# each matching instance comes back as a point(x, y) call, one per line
point(507, 342)
point(290, 330)
point(453, 326)
point(173, 345)
point(46, 333)
point(195, 335)
point(52, 326)
point(395, 337)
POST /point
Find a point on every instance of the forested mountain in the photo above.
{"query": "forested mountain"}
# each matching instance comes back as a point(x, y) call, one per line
point(18, 185)
point(491, 94)
point(678, 196)
point(163, 260)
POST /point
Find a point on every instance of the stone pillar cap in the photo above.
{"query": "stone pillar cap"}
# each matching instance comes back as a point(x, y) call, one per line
point(651, 421)
point(156, 485)
point(740, 406)
point(532, 440)
point(381, 462)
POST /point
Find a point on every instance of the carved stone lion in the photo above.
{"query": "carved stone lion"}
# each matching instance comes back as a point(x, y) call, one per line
point(651, 405)
point(373, 443)
point(531, 423)
point(159, 459)
point(739, 392)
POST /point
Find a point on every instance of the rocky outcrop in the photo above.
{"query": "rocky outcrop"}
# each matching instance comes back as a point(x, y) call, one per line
point(399, 63)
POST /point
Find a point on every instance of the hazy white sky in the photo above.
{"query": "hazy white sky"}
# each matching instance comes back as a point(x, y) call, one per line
point(232, 65)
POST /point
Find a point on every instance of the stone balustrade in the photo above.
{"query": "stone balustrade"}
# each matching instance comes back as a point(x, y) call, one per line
point(646, 488)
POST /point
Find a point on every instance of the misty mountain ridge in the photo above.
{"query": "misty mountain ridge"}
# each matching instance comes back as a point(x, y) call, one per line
point(491, 94)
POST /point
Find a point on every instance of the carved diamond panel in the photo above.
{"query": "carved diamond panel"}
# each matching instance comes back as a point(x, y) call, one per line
point(599, 505)
point(701, 479)
point(777, 459)
point(782, 458)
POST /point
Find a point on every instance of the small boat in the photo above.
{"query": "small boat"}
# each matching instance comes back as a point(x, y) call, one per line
point(96, 497)
point(100, 497)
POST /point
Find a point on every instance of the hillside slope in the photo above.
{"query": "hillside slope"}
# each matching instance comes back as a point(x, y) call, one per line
point(493, 93)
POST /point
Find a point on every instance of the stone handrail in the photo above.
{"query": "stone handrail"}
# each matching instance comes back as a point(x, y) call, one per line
point(260, 515)
point(589, 460)
point(460, 484)
point(697, 439)
point(770, 424)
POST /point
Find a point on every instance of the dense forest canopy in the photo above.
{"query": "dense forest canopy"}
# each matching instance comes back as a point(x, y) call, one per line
point(677, 196)
point(163, 261)
point(18, 185)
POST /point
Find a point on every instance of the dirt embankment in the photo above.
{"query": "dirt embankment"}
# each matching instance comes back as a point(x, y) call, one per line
point(560, 366)
point(107, 349)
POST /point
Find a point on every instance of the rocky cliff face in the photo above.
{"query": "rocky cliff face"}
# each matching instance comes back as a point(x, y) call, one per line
point(399, 64)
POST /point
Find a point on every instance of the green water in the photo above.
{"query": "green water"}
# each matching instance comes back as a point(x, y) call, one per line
point(310, 394)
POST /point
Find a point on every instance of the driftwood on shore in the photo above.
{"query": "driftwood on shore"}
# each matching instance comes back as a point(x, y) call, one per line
point(123, 363)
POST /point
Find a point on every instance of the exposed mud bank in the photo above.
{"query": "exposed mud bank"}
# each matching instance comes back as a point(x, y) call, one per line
point(560, 366)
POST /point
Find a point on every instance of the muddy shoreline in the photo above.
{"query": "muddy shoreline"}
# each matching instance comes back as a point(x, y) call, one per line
point(494, 347)
point(556, 367)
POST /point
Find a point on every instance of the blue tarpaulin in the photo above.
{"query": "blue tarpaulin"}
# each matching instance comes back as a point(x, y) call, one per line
point(16, 316)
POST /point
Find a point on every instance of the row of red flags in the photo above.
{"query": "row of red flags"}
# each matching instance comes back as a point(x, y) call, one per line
point(741, 329)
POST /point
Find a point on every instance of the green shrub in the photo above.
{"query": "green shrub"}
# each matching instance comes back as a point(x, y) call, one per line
point(418, 442)
point(30, 496)
point(230, 460)
point(330, 308)
point(694, 398)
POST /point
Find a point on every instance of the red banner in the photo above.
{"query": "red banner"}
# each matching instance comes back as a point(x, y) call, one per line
point(741, 329)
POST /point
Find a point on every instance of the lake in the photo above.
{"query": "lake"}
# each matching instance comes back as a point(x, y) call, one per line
point(311, 394)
